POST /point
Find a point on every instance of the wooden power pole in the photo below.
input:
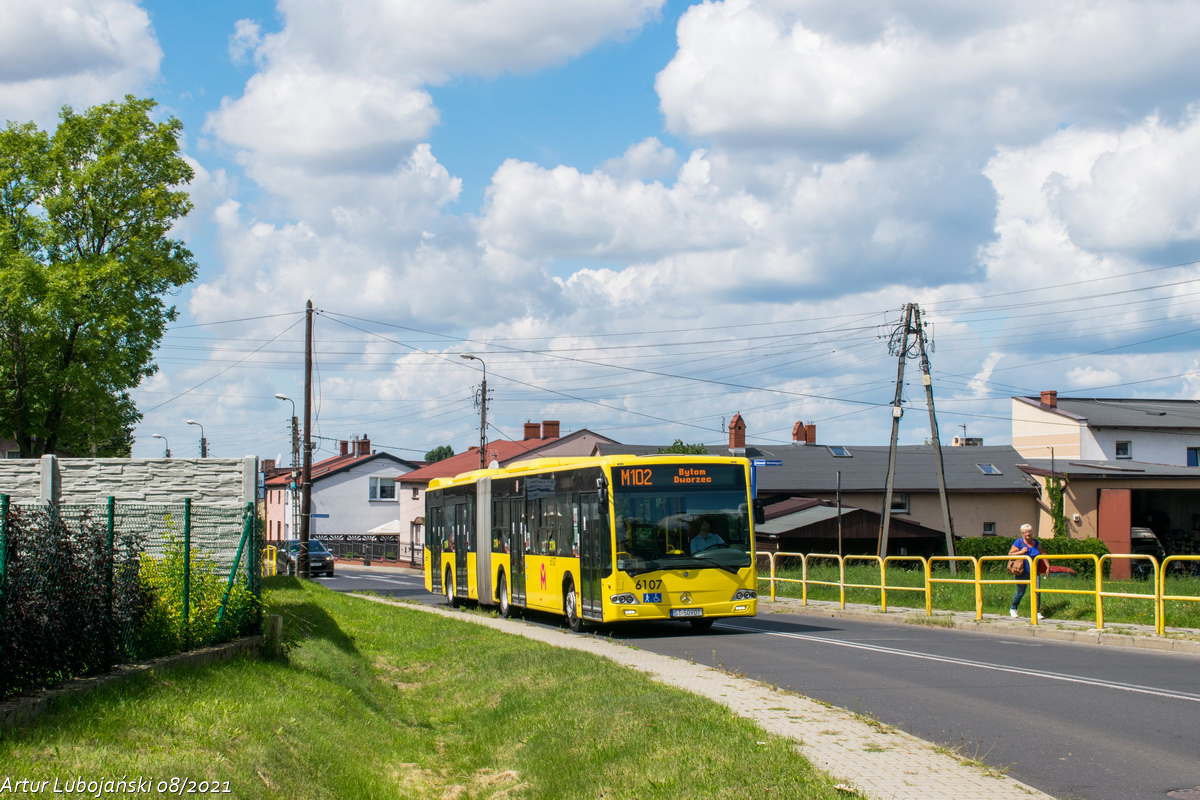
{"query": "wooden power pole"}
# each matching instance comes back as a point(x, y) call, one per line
point(306, 470)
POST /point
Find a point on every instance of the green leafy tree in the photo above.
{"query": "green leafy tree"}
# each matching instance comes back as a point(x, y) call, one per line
point(1054, 493)
point(438, 453)
point(680, 448)
point(86, 259)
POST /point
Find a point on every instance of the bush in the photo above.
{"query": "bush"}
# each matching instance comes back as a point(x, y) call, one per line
point(54, 612)
point(163, 630)
point(977, 547)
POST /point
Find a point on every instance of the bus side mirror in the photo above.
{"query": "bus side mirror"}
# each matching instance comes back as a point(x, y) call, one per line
point(760, 512)
point(602, 490)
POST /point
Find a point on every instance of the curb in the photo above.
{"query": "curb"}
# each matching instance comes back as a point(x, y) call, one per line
point(21, 709)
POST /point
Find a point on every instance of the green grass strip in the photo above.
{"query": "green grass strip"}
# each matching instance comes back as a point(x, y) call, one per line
point(377, 701)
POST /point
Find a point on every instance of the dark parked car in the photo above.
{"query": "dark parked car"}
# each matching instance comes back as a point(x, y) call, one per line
point(320, 560)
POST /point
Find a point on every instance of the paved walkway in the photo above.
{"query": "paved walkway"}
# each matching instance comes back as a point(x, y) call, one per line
point(880, 762)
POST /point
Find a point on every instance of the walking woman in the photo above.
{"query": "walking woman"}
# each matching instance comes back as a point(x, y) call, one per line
point(1026, 545)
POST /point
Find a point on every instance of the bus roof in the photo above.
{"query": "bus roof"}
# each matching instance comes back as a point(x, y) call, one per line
point(535, 465)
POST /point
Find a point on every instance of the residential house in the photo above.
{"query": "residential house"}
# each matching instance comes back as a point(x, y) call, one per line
point(988, 494)
point(353, 494)
point(542, 440)
point(1123, 463)
point(1095, 429)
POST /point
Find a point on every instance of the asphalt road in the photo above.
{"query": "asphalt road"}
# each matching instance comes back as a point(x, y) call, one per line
point(1074, 720)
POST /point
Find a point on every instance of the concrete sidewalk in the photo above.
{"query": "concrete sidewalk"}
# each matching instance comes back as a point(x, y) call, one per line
point(879, 761)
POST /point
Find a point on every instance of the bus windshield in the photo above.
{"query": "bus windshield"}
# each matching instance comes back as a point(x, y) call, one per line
point(663, 522)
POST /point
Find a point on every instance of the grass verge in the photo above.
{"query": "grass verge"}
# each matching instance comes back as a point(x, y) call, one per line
point(376, 701)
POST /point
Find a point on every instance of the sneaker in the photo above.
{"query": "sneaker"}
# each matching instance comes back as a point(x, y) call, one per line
point(1012, 612)
point(1040, 615)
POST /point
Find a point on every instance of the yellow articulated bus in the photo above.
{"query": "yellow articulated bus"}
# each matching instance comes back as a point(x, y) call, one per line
point(598, 540)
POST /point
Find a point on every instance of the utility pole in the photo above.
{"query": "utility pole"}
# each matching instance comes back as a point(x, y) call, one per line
point(898, 345)
point(294, 487)
point(927, 380)
point(482, 410)
point(306, 471)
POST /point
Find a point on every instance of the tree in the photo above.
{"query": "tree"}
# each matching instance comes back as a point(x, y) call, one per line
point(438, 453)
point(685, 449)
point(85, 261)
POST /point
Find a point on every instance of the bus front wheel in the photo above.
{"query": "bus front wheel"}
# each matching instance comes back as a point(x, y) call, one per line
point(702, 624)
point(571, 608)
point(451, 598)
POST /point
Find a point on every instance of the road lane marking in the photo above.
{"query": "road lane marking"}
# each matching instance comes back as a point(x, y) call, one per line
point(962, 662)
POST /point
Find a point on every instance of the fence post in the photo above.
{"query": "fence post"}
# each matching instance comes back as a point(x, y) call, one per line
point(247, 527)
point(3, 542)
point(110, 644)
point(187, 572)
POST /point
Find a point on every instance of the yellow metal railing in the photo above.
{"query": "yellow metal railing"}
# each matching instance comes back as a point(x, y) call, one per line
point(268, 565)
point(883, 584)
point(1098, 593)
point(1163, 597)
point(930, 581)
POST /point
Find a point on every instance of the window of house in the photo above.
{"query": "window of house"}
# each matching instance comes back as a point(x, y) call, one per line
point(382, 489)
point(416, 493)
point(900, 503)
point(12, 453)
point(839, 451)
point(989, 469)
point(1124, 449)
point(1193, 456)
point(989, 529)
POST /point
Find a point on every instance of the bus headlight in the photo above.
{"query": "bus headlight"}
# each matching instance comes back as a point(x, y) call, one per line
point(744, 594)
point(624, 599)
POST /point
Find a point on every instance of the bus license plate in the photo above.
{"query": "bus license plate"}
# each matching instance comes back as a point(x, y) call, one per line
point(687, 612)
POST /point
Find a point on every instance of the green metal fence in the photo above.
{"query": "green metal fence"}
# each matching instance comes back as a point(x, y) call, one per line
point(84, 587)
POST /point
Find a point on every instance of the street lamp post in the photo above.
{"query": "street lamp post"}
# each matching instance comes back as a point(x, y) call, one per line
point(295, 464)
point(482, 410)
point(166, 444)
point(203, 441)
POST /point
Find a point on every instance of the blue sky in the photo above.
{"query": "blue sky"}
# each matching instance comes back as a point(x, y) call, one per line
point(648, 216)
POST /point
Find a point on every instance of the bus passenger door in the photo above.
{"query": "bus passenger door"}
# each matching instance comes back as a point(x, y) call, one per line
point(462, 538)
point(517, 546)
point(435, 529)
point(593, 547)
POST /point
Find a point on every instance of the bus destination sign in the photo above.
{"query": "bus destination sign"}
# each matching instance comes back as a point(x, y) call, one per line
point(661, 476)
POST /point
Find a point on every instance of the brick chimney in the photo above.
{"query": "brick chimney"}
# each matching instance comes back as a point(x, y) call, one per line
point(532, 430)
point(1050, 398)
point(737, 436)
point(364, 446)
point(343, 448)
point(550, 429)
point(804, 434)
point(268, 467)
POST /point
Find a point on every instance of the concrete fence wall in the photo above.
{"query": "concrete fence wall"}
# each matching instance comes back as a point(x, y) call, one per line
point(211, 481)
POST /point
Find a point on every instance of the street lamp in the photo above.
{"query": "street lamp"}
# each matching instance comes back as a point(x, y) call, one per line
point(166, 444)
point(482, 409)
point(295, 464)
point(203, 441)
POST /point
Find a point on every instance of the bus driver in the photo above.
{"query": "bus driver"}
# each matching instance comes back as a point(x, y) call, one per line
point(706, 539)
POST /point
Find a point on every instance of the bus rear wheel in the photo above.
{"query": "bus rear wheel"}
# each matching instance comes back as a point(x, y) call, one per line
point(502, 591)
point(571, 608)
point(451, 598)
